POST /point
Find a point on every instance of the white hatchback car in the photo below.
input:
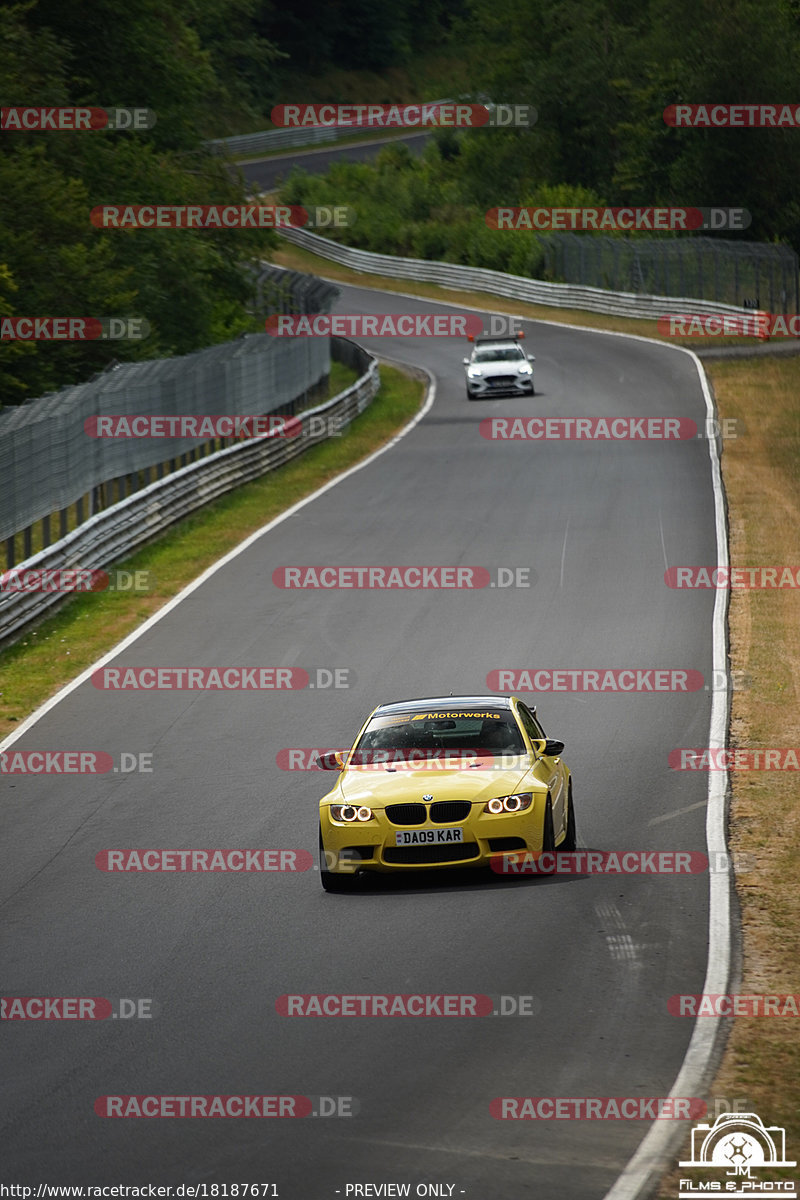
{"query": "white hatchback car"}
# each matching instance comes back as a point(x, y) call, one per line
point(498, 366)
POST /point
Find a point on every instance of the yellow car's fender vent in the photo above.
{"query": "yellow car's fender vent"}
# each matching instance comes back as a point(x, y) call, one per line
point(496, 845)
point(357, 853)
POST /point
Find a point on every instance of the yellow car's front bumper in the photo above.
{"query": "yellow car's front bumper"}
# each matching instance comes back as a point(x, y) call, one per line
point(373, 845)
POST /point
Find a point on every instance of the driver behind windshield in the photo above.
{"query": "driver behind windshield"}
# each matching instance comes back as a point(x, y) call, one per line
point(495, 735)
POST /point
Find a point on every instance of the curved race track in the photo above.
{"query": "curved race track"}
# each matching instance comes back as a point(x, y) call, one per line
point(597, 522)
point(267, 173)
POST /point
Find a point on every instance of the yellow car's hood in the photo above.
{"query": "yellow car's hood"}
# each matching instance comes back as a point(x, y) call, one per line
point(378, 786)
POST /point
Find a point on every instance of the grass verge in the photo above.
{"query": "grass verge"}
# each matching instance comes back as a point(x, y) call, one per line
point(88, 625)
point(761, 469)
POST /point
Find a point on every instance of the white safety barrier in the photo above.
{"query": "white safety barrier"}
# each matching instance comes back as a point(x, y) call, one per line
point(266, 141)
point(115, 532)
point(514, 287)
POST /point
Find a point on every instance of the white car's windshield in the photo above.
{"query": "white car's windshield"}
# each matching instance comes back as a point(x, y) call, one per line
point(504, 354)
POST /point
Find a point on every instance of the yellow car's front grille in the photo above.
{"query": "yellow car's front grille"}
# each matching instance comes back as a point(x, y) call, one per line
point(445, 811)
point(441, 812)
point(406, 814)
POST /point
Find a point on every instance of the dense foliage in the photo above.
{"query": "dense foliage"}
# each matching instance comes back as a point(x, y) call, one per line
point(600, 75)
point(599, 72)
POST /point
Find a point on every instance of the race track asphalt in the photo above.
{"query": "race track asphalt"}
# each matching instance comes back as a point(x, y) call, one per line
point(597, 523)
point(268, 173)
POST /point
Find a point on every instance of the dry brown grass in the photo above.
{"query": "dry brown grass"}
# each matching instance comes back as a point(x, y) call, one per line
point(761, 470)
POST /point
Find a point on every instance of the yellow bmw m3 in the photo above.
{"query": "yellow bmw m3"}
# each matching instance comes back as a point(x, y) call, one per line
point(445, 782)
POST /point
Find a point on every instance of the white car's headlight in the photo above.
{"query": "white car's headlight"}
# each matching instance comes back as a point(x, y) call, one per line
point(474, 372)
point(525, 369)
point(510, 804)
point(350, 813)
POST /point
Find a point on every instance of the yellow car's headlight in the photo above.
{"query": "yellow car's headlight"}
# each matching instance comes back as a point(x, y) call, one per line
point(350, 813)
point(510, 804)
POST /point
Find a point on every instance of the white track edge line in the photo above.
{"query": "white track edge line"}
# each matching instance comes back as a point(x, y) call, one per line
point(645, 1169)
point(648, 1163)
point(135, 634)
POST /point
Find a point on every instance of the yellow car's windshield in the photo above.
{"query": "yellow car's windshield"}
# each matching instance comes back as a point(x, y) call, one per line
point(479, 731)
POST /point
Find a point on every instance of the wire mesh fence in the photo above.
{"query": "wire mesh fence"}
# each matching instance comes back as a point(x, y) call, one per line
point(745, 274)
point(280, 291)
point(54, 470)
point(120, 529)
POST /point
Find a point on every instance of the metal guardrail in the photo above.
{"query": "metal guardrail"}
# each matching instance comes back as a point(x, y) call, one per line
point(275, 139)
point(48, 463)
point(266, 140)
point(116, 531)
point(514, 287)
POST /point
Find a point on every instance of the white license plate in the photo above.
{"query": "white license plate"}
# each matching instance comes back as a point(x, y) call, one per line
point(428, 837)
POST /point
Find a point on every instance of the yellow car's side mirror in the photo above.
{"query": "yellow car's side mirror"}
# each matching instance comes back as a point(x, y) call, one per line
point(332, 761)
